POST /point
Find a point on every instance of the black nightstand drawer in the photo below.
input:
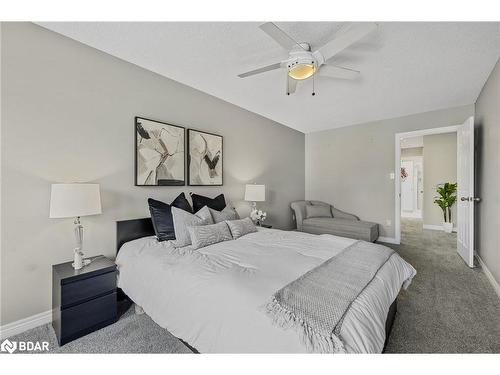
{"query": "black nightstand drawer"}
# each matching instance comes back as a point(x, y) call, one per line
point(83, 300)
point(87, 316)
point(82, 290)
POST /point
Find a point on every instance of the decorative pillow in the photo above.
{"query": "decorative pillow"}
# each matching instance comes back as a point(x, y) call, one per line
point(241, 227)
point(206, 235)
point(318, 211)
point(161, 216)
point(218, 203)
point(228, 213)
point(205, 214)
point(183, 220)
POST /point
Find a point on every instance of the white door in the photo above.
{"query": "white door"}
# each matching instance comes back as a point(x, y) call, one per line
point(465, 191)
point(419, 187)
point(407, 187)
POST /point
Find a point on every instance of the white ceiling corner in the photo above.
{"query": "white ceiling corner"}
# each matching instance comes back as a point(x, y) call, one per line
point(406, 68)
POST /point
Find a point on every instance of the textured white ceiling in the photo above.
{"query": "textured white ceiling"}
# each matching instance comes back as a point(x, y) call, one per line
point(405, 68)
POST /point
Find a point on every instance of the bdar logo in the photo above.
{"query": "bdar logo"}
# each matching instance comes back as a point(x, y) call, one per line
point(8, 346)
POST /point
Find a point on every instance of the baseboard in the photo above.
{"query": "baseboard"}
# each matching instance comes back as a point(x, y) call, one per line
point(388, 240)
point(436, 227)
point(489, 275)
point(25, 324)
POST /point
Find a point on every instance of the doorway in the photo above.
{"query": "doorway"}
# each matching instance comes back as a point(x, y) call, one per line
point(461, 173)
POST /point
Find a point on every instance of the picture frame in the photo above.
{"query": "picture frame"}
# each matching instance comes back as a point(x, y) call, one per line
point(205, 158)
point(160, 153)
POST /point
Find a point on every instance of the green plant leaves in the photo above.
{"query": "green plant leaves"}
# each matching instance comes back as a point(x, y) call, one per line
point(446, 199)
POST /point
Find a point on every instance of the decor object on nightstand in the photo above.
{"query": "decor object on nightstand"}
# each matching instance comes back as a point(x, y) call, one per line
point(256, 193)
point(205, 156)
point(75, 200)
point(83, 300)
point(258, 216)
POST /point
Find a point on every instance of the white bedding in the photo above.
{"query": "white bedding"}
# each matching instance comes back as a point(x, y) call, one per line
point(211, 297)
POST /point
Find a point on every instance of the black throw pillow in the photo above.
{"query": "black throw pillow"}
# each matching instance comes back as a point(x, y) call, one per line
point(199, 201)
point(161, 216)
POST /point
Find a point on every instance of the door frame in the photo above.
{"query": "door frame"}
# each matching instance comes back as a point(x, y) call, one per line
point(397, 171)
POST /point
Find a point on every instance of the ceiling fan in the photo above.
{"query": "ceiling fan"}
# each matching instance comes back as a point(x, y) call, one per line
point(302, 63)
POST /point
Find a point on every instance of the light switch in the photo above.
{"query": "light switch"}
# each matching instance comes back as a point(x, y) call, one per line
point(392, 176)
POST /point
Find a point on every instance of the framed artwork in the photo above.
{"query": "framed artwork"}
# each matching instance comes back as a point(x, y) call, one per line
point(205, 154)
point(159, 153)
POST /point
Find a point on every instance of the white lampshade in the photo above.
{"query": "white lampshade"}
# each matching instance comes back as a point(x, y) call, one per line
point(255, 193)
point(73, 200)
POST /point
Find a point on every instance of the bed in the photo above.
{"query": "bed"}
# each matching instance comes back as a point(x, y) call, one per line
point(213, 298)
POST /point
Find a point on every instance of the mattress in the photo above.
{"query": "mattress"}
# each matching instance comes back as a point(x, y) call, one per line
point(212, 298)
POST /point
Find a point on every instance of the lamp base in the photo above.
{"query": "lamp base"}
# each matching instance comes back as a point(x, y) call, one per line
point(79, 262)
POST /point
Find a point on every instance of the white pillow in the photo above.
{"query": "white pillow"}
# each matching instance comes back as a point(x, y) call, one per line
point(182, 219)
point(241, 227)
point(228, 213)
point(206, 235)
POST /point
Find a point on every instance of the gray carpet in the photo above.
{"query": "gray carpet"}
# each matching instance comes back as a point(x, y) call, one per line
point(131, 334)
point(449, 308)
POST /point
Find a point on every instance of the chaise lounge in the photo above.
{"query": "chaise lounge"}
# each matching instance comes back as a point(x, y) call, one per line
point(318, 217)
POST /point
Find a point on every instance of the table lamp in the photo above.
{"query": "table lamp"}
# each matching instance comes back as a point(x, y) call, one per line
point(75, 200)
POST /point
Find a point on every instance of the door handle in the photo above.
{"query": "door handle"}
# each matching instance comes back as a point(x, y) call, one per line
point(470, 199)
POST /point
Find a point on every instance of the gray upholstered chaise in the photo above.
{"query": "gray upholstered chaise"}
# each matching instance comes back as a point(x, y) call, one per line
point(341, 224)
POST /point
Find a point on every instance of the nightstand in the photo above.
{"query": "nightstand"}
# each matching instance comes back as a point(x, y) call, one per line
point(265, 226)
point(83, 300)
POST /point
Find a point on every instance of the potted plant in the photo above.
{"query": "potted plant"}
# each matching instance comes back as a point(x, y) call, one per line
point(445, 200)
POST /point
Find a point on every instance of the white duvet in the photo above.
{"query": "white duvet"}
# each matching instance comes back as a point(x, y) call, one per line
point(212, 297)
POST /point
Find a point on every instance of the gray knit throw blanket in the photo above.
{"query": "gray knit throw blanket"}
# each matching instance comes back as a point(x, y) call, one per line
point(316, 303)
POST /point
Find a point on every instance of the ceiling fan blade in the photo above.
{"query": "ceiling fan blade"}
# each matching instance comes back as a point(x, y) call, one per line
point(260, 70)
point(333, 71)
point(344, 40)
point(280, 37)
point(291, 85)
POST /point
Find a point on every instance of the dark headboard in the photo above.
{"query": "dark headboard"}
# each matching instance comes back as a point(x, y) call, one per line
point(128, 230)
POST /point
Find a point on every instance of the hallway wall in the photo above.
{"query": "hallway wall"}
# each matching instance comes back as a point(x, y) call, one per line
point(412, 151)
point(440, 166)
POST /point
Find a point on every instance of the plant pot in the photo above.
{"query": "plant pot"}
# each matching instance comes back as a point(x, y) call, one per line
point(448, 227)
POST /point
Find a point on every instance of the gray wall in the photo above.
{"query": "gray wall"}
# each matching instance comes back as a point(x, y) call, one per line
point(440, 165)
point(67, 115)
point(349, 167)
point(488, 172)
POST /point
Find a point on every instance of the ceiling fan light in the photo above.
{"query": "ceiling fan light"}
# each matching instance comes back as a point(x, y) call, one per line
point(301, 71)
